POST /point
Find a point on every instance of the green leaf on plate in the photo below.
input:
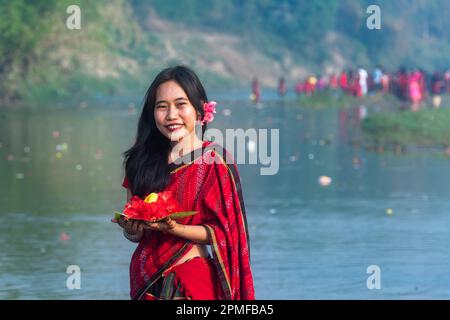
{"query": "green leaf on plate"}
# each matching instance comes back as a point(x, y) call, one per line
point(117, 215)
point(183, 214)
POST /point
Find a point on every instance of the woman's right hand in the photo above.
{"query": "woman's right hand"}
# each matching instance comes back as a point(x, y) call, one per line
point(131, 226)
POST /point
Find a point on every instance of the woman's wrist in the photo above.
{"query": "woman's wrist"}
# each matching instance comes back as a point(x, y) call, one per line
point(177, 230)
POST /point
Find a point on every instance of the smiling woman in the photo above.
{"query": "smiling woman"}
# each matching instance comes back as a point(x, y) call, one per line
point(176, 117)
point(171, 261)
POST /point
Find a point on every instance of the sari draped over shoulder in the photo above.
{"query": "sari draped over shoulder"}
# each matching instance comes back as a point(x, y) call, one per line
point(206, 181)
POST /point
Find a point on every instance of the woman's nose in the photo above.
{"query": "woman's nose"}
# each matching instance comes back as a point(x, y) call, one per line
point(172, 112)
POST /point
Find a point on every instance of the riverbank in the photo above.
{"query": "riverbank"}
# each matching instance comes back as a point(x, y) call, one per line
point(427, 128)
point(337, 99)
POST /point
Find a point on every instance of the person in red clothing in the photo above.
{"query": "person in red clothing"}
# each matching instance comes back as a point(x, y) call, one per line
point(256, 91)
point(414, 90)
point(299, 88)
point(343, 81)
point(170, 154)
point(333, 82)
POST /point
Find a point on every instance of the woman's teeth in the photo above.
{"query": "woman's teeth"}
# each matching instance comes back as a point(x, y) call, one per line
point(174, 127)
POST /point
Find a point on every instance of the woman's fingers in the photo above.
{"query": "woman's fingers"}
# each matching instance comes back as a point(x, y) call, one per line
point(121, 222)
point(170, 223)
point(140, 226)
point(130, 227)
point(135, 226)
point(127, 226)
point(153, 226)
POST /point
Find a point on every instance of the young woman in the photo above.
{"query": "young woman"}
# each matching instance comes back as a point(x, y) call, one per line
point(171, 260)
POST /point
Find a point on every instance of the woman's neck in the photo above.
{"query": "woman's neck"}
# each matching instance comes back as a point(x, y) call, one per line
point(184, 146)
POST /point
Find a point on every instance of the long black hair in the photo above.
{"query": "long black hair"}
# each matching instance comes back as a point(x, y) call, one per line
point(146, 162)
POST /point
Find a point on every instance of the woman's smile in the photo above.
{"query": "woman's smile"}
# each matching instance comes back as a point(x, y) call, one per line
point(174, 127)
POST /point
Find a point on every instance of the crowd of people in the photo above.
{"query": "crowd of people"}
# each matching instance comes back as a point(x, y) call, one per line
point(412, 86)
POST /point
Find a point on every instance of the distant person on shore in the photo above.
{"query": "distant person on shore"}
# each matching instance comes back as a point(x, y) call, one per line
point(401, 84)
point(386, 82)
point(333, 83)
point(310, 85)
point(415, 92)
point(321, 83)
point(362, 78)
point(377, 77)
point(343, 81)
point(282, 87)
point(447, 81)
point(437, 85)
point(256, 92)
point(353, 87)
point(299, 88)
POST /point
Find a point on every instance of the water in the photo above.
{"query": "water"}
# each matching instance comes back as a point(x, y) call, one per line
point(308, 241)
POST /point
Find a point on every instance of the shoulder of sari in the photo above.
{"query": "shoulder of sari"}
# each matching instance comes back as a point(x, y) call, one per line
point(195, 156)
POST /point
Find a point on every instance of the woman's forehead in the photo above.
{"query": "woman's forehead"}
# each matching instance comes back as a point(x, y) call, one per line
point(169, 91)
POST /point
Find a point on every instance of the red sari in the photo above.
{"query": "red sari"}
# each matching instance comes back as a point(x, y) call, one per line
point(207, 181)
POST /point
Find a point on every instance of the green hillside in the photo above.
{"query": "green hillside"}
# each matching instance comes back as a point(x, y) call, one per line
point(122, 44)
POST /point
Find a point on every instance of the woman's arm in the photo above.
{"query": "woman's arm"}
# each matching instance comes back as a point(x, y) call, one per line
point(196, 234)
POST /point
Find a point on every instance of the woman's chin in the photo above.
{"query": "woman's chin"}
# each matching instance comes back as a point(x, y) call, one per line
point(177, 135)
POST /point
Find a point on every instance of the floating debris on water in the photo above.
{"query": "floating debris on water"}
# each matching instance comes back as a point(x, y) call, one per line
point(311, 156)
point(98, 154)
point(79, 167)
point(64, 237)
point(58, 155)
point(62, 147)
point(55, 134)
point(10, 157)
point(20, 175)
point(273, 211)
point(226, 112)
point(324, 181)
point(389, 211)
point(26, 149)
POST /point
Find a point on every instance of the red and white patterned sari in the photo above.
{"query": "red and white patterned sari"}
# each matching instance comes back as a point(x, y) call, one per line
point(207, 181)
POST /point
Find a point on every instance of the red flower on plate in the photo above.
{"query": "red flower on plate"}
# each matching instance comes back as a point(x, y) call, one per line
point(155, 207)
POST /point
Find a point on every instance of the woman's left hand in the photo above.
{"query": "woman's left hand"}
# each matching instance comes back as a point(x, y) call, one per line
point(165, 225)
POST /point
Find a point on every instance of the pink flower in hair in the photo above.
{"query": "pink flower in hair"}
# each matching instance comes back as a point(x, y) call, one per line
point(209, 108)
